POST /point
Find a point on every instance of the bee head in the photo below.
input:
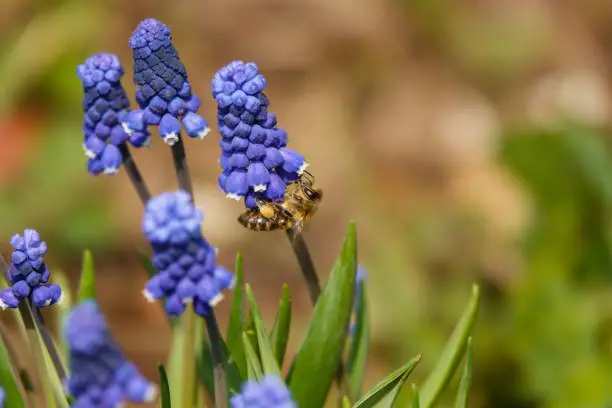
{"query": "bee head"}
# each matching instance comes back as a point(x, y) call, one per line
point(313, 194)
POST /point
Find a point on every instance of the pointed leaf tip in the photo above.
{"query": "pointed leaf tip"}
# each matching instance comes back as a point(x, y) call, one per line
point(385, 393)
point(165, 388)
point(87, 289)
point(318, 359)
point(449, 360)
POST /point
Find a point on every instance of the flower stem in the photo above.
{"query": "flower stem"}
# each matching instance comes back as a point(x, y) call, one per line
point(184, 180)
point(214, 337)
point(300, 249)
point(134, 174)
point(37, 353)
point(180, 165)
point(188, 364)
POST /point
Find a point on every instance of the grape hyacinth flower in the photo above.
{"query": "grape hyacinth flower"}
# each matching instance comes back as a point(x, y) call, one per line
point(105, 103)
point(164, 92)
point(254, 155)
point(28, 273)
point(186, 263)
point(100, 376)
point(271, 392)
point(2, 397)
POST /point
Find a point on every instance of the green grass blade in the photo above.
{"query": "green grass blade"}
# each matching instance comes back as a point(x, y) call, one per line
point(206, 373)
point(385, 392)
point(346, 402)
point(451, 355)
point(358, 352)
point(87, 288)
point(63, 309)
point(236, 321)
point(164, 387)
point(266, 352)
point(416, 403)
point(253, 366)
point(280, 332)
point(318, 359)
point(466, 378)
point(8, 379)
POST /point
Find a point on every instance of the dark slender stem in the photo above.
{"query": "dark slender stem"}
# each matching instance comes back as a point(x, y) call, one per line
point(180, 164)
point(134, 174)
point(300, 249)
point(49, 343)
point(214, 337)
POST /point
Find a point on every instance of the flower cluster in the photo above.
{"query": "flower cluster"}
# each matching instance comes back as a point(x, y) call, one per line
point(2, 397)
point(164, 93)
point(105, 103)
point(254, 156)
point(100, 376)
point(271, 392)
point(28, 273)
point(186, 263)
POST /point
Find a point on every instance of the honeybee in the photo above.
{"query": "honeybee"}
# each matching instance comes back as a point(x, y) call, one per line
point(300, 202)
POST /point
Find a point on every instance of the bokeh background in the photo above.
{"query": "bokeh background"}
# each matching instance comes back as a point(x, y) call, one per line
point(470, 140)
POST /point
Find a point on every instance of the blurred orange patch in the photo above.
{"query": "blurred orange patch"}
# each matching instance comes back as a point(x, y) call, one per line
point(17, 138)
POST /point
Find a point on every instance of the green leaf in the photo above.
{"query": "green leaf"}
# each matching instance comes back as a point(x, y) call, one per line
point(451, 355)
point(416, 403)
point(8, 379)
point(318, 359)
point(206, 372)
point(87, 288)
point(145, 260)
point(346, 402)
point(164, 387)
point(385, 392)
point(466, 378)
point(266, 352)
point(63, 309)
point(236, 321)
point(253, 366)
point(280, 331)
point(358, 353)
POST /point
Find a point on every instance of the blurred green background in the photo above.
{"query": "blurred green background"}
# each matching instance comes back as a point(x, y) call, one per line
point(469, 139)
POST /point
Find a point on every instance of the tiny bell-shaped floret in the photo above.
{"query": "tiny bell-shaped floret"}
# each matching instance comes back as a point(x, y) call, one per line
point(254, 156)
point(100, 376)
point(105, 103)
point(164, 92)
point(185, 261)
point(271, 392)
point(28, 273)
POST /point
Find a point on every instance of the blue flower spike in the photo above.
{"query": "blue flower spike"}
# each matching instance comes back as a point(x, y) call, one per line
point(2, 397)
point(164, 92)
point(105, 103)
point(28, 274)
point(100, 376)
point(271, 392)
point(254, 156)
point(185, 261)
